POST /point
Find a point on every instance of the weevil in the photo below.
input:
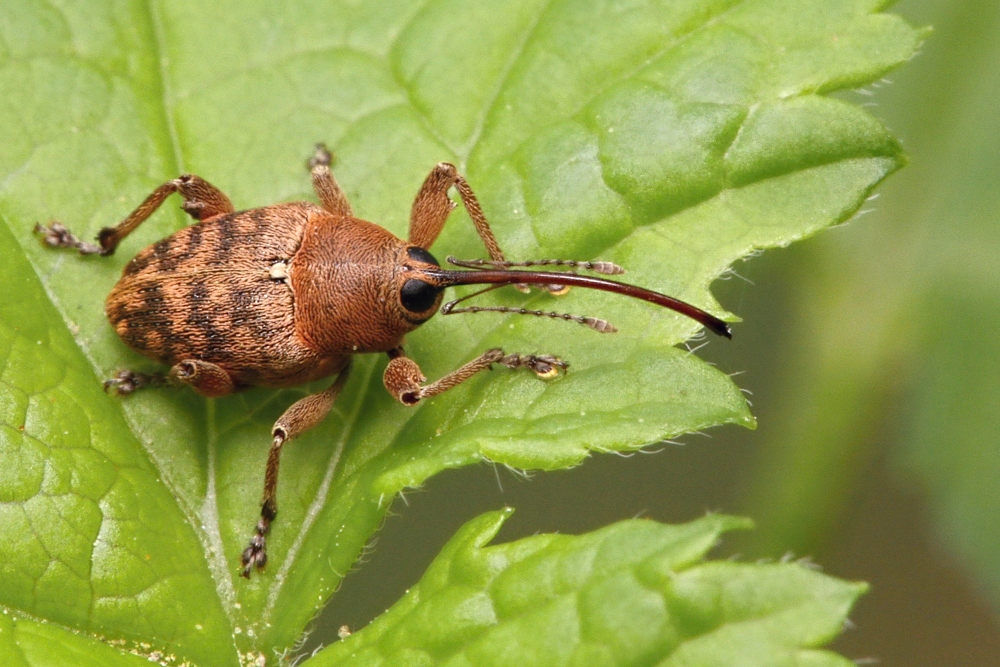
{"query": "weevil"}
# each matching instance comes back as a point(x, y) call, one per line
point(286, 294)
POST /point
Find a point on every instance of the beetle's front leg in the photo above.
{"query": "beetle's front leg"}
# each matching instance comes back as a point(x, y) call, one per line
point(430, 211)
point(202, 200)
point(431, 208)
point(405, 382)
point(302, 416)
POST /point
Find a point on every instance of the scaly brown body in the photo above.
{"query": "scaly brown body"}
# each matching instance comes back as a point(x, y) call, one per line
point(285, 294)
point(265, 294)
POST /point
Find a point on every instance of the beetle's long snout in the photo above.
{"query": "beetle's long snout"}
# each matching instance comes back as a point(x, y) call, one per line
point(448, 278)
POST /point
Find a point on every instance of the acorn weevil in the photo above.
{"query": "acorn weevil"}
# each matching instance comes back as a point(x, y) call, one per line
point(286, 294)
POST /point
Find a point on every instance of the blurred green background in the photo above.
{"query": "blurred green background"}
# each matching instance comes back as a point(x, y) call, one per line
point(873, 355)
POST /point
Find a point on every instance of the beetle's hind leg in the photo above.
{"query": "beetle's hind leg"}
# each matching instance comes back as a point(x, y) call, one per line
point(57, 236)
point(299, 418)
point(126, 382)
point(202, 200)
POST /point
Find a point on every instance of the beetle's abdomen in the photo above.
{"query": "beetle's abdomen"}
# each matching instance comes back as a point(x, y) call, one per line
point(211, 292)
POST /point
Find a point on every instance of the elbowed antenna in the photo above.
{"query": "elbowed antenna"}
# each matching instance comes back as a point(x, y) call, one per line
point(448, 278)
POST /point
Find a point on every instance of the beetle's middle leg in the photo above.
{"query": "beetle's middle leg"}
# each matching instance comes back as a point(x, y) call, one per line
point(302, 416)
point(330, 195)
point(202, 200)
point(405, 382)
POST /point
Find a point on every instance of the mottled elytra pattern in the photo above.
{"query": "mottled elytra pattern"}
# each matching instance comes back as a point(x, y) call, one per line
point(206, 293)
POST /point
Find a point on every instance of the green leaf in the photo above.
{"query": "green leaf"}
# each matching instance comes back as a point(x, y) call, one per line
point(27, 643)
point(672, 138)
point(634, 593)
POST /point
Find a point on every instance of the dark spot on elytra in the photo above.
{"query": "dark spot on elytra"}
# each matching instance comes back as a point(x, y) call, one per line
point(195, 235)
point(260, 326)
point(260, 220)
point(243, 311)
point(135, 333)
point(202, 316)
point(166, 259)
point(117, 311)
point(138, 263)
point(152, 316)
point(227, 236)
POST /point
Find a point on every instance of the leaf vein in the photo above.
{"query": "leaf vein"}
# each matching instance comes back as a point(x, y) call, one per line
point(501, 83)
point(163, 89)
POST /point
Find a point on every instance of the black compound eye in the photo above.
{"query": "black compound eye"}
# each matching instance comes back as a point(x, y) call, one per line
point(421, 255)
point(417, 296)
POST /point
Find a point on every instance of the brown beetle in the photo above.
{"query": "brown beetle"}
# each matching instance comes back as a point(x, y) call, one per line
point(286, 294)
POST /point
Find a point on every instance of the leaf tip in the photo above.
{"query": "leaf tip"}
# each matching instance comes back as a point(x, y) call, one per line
point(859, 588)
point(724, 523)
point(480, 531)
